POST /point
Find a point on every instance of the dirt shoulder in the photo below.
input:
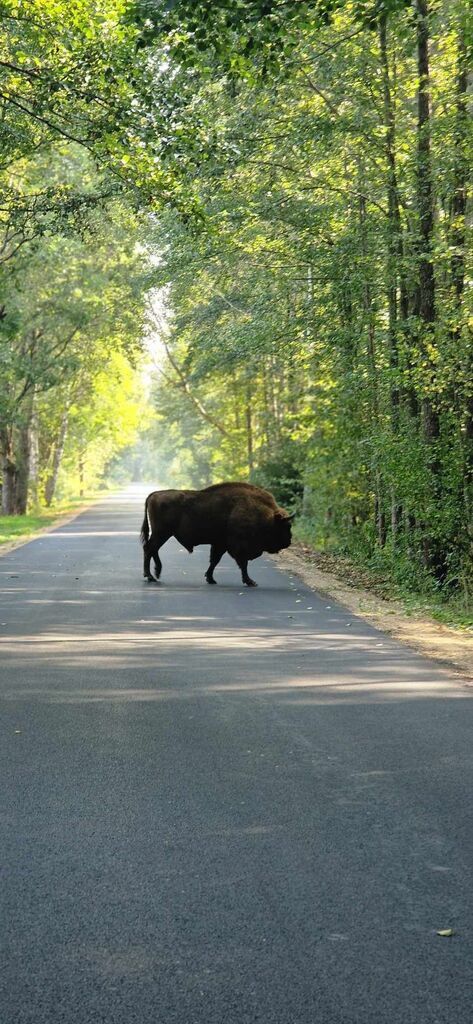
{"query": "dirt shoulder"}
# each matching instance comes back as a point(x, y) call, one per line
point(453, 647)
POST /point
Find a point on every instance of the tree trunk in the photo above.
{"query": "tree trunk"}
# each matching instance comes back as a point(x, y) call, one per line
point(81, 475)
point(8, 474)
point(425, 200)
point(8, 487)
point(380, 515)
point(249, 429)
point(395, 247)
point(274, 403)
point(468, 478)
point(24, 459)
point(266, 410)
point(457, 240)
point(23, 471)
point(396, 518)
point(50, 486)
point(33, 496)
point(378, 484)
point(425, 291)
point(461, 169)
point(434, 556)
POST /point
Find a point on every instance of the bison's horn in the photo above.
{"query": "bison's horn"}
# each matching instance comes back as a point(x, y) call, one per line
point(283, 516)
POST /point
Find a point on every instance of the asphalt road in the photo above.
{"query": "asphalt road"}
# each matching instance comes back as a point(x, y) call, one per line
point(222, 805)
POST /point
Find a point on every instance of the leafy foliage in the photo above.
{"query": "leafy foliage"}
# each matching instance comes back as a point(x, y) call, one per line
point(302, 171)
point(305, 313)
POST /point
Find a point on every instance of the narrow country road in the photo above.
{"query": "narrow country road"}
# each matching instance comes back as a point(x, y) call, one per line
point(222, 805)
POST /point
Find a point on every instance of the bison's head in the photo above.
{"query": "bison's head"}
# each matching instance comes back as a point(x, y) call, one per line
point(279, 534)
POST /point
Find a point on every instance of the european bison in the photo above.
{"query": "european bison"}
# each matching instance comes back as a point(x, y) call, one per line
point(235, 517)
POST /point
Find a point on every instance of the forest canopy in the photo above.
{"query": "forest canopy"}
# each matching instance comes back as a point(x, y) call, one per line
point(280, 194)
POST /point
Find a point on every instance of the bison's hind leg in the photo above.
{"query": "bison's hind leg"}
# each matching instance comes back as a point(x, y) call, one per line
point(151, 551)
point(216, 552)
point(147, 553)
point(158, 565)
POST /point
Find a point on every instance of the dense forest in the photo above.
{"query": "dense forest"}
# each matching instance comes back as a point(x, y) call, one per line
point(274, 199)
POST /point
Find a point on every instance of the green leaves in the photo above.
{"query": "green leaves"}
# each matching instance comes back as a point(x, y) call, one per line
point(294, 313)
point(276, 146)
point(249, 39)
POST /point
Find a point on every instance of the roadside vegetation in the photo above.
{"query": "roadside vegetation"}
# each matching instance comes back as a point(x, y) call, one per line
point(278, 196)
point(71, 272)
point(15, 529)
point(418, 596)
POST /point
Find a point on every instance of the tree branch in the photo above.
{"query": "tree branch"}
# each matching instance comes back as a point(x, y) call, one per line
point(195, 401)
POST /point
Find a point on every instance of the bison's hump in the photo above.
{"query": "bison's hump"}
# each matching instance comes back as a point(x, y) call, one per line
point(240, 487)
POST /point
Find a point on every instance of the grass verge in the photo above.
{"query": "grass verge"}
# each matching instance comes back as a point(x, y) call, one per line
point(15, 529)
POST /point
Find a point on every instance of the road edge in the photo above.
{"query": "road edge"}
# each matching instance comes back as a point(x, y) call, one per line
point(440, 643)
point(9, 546)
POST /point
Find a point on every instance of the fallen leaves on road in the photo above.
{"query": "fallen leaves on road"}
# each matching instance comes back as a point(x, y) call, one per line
point(446, 933)
point(426, 635)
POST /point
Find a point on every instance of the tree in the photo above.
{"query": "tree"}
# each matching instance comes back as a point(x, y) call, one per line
point(315, 308)
point(69, 304)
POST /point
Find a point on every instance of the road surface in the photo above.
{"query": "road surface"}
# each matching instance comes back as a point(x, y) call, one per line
point(222, 805)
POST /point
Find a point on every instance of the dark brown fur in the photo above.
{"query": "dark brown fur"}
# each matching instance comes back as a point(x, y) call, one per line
point(235, 517)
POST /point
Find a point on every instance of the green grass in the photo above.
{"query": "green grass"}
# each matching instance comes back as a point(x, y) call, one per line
point(13, 528)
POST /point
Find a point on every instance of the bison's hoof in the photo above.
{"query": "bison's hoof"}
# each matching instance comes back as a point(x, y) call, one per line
point(250, 583)
point(210, 579)
point(150, 579)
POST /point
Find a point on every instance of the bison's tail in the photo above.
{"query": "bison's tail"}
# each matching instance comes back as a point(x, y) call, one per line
point(144, 535)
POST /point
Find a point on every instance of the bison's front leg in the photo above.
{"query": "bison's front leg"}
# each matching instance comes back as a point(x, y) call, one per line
point(242, 564)
point(216, 553)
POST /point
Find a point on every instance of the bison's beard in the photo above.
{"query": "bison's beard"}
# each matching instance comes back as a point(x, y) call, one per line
point(276, 548)
point(255, 554)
